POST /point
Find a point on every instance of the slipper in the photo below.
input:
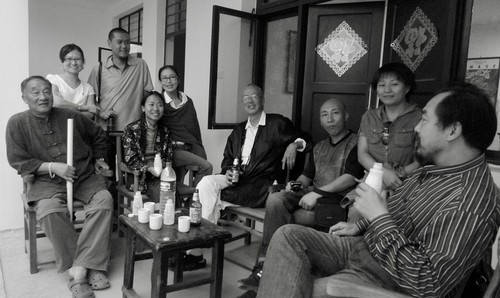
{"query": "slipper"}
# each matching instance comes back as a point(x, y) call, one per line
point(97, 279)
point(80, 288)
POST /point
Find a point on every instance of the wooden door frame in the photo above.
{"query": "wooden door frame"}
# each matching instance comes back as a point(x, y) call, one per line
point(459, 55)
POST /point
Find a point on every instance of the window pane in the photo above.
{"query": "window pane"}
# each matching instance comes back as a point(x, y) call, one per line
point(234, 67)
point(133, 24)
point(280, 65)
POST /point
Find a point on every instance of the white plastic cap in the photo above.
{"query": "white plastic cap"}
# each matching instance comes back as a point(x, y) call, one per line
point(169, 201)
point(137, 193)
point(377, 166)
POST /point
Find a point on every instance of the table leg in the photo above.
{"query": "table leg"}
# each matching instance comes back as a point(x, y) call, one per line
point(179, 264)
point(217, 269)
point(159, 275)
point(128, 274)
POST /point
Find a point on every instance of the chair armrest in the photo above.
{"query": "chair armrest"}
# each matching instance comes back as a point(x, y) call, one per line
point(126, 169)
point(123, 180)
point(27, 181)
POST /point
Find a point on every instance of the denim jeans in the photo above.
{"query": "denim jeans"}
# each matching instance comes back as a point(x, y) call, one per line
point(297, 255)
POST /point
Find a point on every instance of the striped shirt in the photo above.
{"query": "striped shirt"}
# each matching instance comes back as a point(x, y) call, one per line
point(440, 224)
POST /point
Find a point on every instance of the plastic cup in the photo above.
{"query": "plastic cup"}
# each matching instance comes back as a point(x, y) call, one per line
point(155, 221)
point(143, 215)
point(184, 224)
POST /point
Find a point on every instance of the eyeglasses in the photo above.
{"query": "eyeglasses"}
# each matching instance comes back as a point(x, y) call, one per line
point(385, 133)
point(250, 97)
point(170, 78)
point(76, 60)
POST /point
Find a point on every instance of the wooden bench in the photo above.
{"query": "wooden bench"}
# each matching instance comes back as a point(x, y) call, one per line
point(256, 215)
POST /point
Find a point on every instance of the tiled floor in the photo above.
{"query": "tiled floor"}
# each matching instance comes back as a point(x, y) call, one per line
point(18, 282)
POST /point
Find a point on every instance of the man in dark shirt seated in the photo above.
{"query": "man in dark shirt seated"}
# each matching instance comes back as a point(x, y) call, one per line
point(425, 238)
point(330, 173)
point(36, 144)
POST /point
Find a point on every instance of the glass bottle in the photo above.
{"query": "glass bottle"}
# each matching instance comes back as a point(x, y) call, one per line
point(195, 210)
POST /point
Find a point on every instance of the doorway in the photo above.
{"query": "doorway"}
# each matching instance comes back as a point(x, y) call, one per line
point(343, 51)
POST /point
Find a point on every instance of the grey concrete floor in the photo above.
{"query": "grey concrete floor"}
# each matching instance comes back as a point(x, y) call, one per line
point(16, 280)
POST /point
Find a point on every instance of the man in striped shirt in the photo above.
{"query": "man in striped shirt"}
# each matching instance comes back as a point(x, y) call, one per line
point(426, 238)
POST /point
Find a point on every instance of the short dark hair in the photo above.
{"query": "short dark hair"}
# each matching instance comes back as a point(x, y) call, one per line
point(472, 108)
point(70, 48)
point(400, 71)
point(171, 67)
point(116, 30)
point(149, 93)
point(35, 77)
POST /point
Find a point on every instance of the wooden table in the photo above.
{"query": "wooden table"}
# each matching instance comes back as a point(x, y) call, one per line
point(168, 241)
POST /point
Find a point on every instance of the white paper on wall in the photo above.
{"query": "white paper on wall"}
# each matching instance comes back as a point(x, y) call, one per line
point(342, 49)
point(417, 38)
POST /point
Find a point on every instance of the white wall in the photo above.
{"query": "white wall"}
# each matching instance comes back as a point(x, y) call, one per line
point(14, 59)
point(52, 24)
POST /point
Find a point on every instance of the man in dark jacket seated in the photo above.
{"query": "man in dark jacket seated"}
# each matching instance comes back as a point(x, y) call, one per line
point(263, 144)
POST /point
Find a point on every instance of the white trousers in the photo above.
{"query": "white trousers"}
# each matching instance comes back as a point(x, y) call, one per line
point(209, 189)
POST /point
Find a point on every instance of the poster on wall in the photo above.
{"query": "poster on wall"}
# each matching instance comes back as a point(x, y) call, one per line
point(484, 73)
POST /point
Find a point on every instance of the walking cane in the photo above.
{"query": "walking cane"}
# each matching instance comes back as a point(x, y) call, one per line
point(69, 185)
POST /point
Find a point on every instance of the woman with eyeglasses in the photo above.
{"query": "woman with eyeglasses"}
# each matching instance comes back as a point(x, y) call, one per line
point(182, 121)
point(386, 134)
point(67, 88)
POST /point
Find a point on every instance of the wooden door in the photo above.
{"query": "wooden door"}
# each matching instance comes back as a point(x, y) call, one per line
point(321, 82)
point(429, 36)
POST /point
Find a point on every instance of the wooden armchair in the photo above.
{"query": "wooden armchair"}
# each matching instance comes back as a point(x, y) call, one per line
point(32, 231)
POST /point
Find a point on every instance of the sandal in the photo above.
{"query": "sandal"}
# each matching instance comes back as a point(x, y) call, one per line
point(97, 280)
point(80, 288)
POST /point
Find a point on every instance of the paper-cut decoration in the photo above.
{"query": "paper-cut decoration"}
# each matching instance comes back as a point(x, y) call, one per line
point(418, 37)
point(342, 49)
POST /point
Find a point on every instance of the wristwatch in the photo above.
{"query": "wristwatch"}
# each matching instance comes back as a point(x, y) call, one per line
point(100, 159)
